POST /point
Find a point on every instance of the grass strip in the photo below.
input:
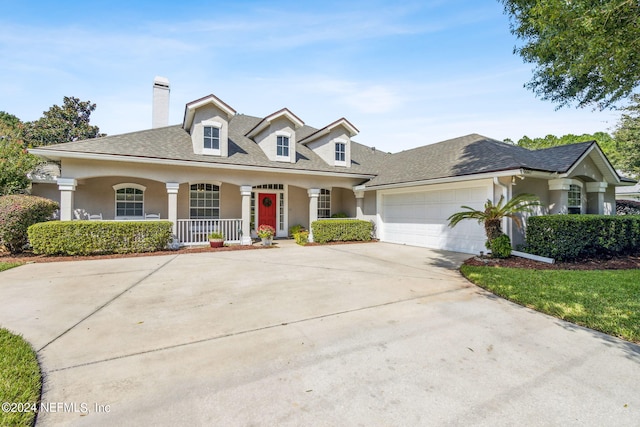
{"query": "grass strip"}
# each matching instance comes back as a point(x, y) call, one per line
point(7, 265)
point(20, 380)
point(605, 300)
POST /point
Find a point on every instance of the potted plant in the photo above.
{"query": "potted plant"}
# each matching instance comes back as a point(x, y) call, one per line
point(266, 233)
point(216, 239)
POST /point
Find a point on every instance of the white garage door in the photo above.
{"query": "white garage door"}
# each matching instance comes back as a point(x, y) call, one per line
point(419, 218)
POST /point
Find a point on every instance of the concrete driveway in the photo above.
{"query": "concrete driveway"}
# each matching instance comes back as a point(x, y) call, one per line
point(366, 334)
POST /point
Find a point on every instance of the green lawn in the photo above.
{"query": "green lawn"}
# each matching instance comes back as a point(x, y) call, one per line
point(8, 265)
point(604, 300)
point(20, 380)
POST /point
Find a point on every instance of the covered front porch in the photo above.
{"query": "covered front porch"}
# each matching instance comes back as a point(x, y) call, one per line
point(199, 207)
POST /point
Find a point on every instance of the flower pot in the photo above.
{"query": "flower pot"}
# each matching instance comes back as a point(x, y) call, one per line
point(266, 241)
point(216, 243)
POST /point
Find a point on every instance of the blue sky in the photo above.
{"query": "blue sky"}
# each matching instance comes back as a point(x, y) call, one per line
point(405, 74)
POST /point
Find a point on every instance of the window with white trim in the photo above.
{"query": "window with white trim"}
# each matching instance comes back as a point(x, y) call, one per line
point(129, 200)
point(211, 138)
point(324, 203)
point(341, 150)
point(282, 146)
point(574, 202)
point(204, 201)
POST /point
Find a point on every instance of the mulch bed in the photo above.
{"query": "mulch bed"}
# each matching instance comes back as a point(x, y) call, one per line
point(613, 263)
point(31, 257)
point(27, 257)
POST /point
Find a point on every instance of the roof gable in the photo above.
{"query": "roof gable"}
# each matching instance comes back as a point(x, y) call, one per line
point(351, 129)
point(266, 122)
point(191, 107)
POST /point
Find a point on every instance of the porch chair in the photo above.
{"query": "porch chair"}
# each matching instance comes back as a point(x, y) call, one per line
point(95, 217)
point(151, 216)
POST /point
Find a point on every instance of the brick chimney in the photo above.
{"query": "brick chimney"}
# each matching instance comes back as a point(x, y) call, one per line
point(160, 111)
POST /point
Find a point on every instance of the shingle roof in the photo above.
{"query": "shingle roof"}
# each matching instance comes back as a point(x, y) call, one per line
point(473, 154)
point(467, 155)
point(174, 143)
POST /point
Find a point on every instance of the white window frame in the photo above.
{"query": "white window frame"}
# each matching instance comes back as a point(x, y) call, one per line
point(279, 136)
point(324, 203)
point(340, 143)
point(213, 125)
point(574, 188)
point(213, 208)
point(123, 186)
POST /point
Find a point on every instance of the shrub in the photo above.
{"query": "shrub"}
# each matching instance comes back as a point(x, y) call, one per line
point(99, 237)
point(340, 215)
point(570, 237)
point(301, 237)
point(343, 230)
point(627, 207)
point(500, 246)
point(295, 229)
point(17, 213)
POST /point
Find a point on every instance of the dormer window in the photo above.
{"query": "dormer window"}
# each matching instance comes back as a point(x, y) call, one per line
point(341, 153)
point(282, 146)
point(211, 138)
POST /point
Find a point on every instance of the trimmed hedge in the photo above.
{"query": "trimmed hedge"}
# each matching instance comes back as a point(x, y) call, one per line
point(570, 237)
point(341, 230)
point(99, 237)
point(301, 237)
point(17, 213)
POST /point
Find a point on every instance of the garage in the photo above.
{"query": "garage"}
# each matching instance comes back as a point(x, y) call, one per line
point(417, 216)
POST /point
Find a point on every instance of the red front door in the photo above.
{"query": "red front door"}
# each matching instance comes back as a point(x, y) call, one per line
point(267, 204)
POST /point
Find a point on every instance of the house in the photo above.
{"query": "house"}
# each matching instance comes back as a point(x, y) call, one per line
point(628, 193)
point(231, 172)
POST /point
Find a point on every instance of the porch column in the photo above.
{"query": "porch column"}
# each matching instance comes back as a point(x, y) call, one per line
point(359, 204)
point(595, 197)
point(245, 192)
point(67, 187)
point(313, 193)
point(172, 208)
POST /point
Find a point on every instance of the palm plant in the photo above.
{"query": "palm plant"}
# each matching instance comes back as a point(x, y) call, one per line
point(492, 215)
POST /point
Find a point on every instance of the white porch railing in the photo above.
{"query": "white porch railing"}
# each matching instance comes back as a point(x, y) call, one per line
point(196, 231)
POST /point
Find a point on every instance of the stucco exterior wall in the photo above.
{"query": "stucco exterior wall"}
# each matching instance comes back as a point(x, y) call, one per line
point(96, 195)
point(343, 201)
point(325, 146)
point(81, 169)
point(298, 206)
point(370, 203)
point(209, 113)
point(48, 191)
point(267, 139)
point(610, 201)
point(587, 168)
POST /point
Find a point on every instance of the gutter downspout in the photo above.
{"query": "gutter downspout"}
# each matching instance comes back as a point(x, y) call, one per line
point(506, 190)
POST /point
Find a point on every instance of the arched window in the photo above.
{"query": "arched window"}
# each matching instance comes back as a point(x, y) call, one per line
point(204, 201)
point(129, 200)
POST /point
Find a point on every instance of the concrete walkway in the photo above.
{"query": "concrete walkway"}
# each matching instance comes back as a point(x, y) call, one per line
point(365, 334)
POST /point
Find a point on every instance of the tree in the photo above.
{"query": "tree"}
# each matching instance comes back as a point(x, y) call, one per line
point(585, 51)
point(492, 215)
point(10, 126)
point(627, 136)
point(62, 124)
point(607, 143)
point(15, 163)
